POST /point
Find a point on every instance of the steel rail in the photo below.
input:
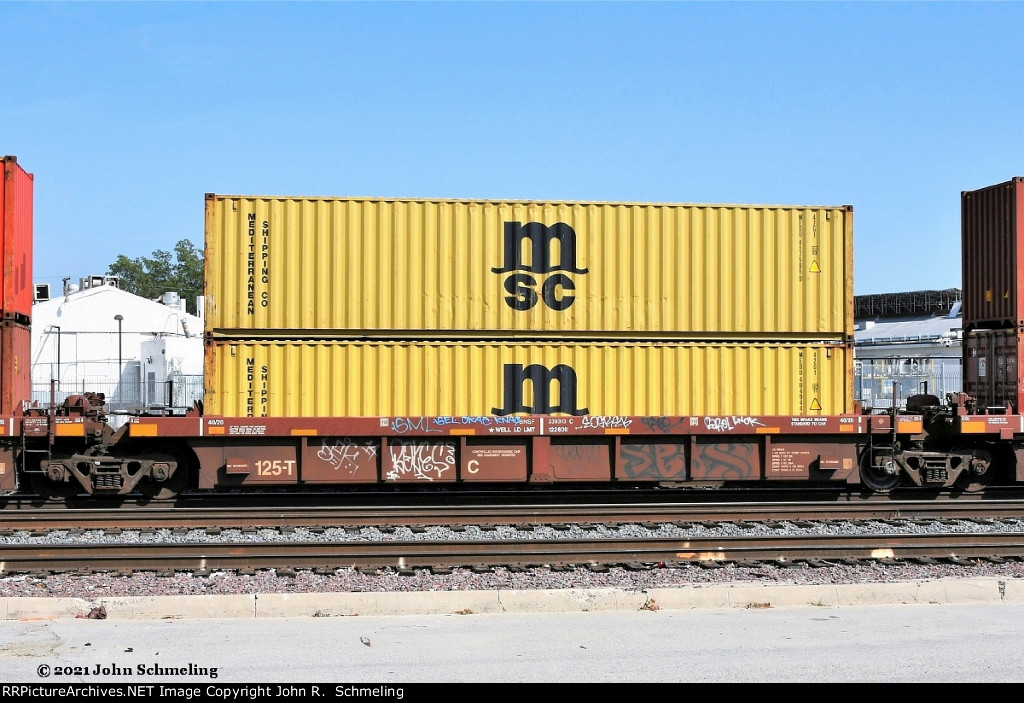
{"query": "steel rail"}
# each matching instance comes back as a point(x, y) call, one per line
point(150, 518)
point(204, 556)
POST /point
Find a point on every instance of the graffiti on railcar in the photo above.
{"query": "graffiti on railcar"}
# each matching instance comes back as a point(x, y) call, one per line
point(421, 461)
point(341, 460)
point(726, 461)
point(657, 424)
point(728, 424)
point(605, 422)
point(347, 455)
point(402, 425)
point(484, 420)
point(661, 461)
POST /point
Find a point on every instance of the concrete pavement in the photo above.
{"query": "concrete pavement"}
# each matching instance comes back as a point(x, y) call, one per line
point(719, 596)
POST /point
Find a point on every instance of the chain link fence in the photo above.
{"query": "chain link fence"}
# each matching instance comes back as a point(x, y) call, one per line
point(131, 396)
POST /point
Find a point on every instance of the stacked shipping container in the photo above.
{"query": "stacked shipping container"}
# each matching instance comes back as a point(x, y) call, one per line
point(354, 378)
point(16, 286)
point(992, 233)
point(370, 307)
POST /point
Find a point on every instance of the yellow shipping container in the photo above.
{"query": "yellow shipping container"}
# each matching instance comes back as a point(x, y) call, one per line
point(418, 268)
point(449, 378)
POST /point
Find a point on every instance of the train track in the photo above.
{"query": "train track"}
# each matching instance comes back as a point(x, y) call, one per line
point(152, 518)
point(53, 538)
point(589, 553)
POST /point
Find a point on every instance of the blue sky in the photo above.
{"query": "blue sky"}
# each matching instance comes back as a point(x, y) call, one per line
point(128, 113)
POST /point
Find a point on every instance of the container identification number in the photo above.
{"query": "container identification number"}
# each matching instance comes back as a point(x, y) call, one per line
point(275, 467)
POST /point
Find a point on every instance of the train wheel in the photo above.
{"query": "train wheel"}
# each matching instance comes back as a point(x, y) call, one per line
point(156, 486)
point(879, 470)
point(165, 490)
point(982, 472)
point(52, 490)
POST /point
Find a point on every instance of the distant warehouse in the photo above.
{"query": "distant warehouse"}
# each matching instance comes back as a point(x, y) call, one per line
point(905, 344)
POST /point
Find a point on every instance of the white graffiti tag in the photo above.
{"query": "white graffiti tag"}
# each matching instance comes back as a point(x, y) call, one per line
point(426, 461)
point(605, 421)
point(345, 454)
point(401, 425)
point(726, 424)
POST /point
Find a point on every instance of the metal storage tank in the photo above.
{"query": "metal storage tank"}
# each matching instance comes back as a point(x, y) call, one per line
point(280, 266)
point(992, 230)
point(16, 286)
point(299, 378)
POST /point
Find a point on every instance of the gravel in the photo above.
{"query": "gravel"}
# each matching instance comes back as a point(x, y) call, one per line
point(90, 586)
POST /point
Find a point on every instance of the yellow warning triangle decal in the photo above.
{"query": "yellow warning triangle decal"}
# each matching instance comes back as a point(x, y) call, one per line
point(815, 268)
point(815, 405)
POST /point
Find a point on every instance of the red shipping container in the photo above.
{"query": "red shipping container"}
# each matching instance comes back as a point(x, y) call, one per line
point(992, 370)
point(16, 285)
point(992, 236)
point(15, 367)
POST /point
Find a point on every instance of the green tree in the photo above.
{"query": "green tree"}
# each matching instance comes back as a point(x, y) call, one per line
point(163, 272)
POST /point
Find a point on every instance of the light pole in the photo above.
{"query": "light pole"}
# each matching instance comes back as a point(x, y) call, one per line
point(56, 328)
point(120, 371)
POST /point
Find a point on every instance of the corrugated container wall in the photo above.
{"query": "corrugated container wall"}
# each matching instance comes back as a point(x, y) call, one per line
point(15, 367)
point(338, 379)
point(992, 230)
point(471, 269)
point(992, 370)
point(16, 285)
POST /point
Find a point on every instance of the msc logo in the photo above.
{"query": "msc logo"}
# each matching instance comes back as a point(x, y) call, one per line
point(540, 379)
point(556, 290)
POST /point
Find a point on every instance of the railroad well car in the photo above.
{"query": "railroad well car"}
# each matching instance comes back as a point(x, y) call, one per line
point(375, 342)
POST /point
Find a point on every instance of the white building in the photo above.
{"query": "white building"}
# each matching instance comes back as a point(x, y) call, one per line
point(911, 352)
point(143, 355)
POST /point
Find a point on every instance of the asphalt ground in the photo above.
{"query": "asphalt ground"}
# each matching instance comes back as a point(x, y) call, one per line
point(959, 591)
